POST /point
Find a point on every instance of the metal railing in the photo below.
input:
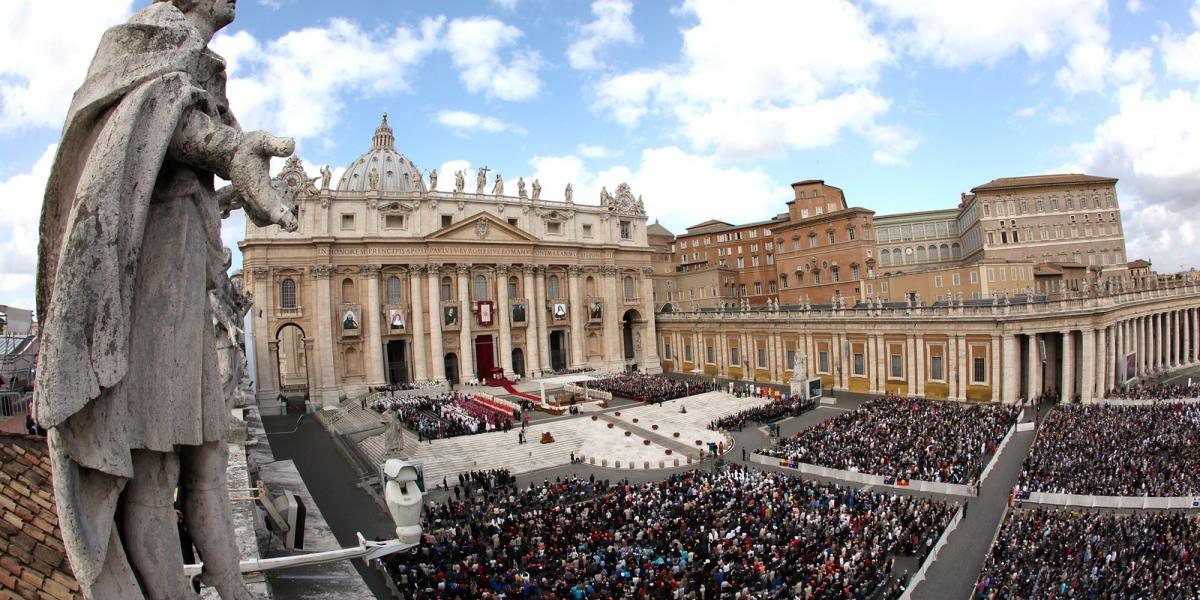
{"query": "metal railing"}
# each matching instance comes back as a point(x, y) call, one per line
point(14, 404)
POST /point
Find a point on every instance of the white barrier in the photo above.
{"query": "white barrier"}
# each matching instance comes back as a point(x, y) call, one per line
point(498, 400)
point(999, 449)
point(588, 393)
point(953, 489)
point(1146, 402)
point(1136, 502)
point(920, 575)
point(1025, 426)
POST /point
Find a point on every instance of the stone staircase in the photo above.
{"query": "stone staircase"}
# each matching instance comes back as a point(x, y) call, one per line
point(499, 450)
point(351, 418)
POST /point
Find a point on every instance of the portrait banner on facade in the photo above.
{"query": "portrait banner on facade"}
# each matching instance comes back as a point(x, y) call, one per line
point(449, 316)
point(595, 311)
point(560, 311)
point(396, 319)
point(518, 312)
point(1130, 367)
point(351, 320)
point(484, 309)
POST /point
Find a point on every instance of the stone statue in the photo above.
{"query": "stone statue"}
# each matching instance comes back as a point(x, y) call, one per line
point(373, 180)
point(605, 197)
point(129, 383)
point(326, 175)
point(521, 187)
point(433, 180)
point(481, 180)
point(460, 182)
point(229, 304)
point(537, 190)
point(419, 183)
point(641, 206)
point(569, 194)
point(393, 441)
point(498, 187)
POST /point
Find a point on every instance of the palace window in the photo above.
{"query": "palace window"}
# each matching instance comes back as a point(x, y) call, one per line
point(553, 228)
point(626, 230)
point(287, 293)
point(936, 368)
point(897, 366)
point(552, 285)
point(629, 295)
point(447, 220)
point(512, 287)
point(347, 221)
point(710, 355)
point(734, 357)
point(446, 289)
point(481, 287)
point(979, 369)
point(832, 238)
point(687, 352)
point(393, 290)
point(393, 221)
point(860, 364)
point(791, 359)
point(762, 358)
point(823, 361)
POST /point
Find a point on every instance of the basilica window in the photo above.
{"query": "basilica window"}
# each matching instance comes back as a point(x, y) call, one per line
point(393, 221)
point(287, 293)
point(481, 287)
point(393, 290)
point(348, 290)
point(446, 289)
point(512, 287)
point(552, 285)
point(626, 230)
point(629, 295)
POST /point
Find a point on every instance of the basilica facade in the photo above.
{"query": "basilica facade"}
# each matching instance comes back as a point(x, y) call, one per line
point(391, 279)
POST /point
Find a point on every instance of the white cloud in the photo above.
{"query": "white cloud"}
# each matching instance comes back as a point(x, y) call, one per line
point(1027, 112)
point(475, 46)
point(611, 25)
point(1151, 145)
point(1091, 67)
point(1181, 55)
point(957, 34)
point(23, 195)
point(593, 151)
point(295, 85)
point(44, 55)
point(463, 123)
point(509, 5)
point(1134, 6)
point(771, 91)
point(679, 188)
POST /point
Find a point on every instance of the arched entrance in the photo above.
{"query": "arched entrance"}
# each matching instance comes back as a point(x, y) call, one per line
point(631, 337)
point(518, 362)
point(558, 350)
point(292, 362)
point(397, 361)
point(451, 364)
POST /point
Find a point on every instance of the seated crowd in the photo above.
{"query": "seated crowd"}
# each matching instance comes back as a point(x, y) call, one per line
point(791, 406)
point(567, 371)
point(648, 388)
point(1160, 391)
point(905, 438)
point(444, 415)
point(1108, 450)
point(410, 385)
point(1058, 554)
point(725, 534)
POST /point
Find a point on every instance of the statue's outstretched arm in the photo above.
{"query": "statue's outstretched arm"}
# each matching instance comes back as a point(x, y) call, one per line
point(242, 158)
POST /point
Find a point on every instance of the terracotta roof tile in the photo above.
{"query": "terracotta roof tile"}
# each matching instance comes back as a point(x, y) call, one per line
point(1005, 183)
point(33, 563)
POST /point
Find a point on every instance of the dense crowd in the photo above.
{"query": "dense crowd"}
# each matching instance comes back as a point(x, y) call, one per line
point(906, 438)
point(648, 388)
point(444, 415)
point(398, 387)
point(1160, 391)
point(1151, 450)
point(791, 406)
point(567, 371)
point(724, 534)
point(1057, 554)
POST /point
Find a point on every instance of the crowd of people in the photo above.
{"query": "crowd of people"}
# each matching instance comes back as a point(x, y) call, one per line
point(1107, 450)
point(791, 406)
point(444, 415)
point(399, 387)
point(649, 388)
point(567, 371)
point(1159, 391)
point(905, 438)
point(1058, 554)
point(729, 533)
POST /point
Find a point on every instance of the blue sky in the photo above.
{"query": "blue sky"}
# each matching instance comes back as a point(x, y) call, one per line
point(707, 108)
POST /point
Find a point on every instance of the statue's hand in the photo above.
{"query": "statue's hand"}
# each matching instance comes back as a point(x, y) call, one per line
point(249, 171)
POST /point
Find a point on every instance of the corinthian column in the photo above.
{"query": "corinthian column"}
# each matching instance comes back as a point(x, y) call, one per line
point(266, 374)
point(327, 393)
point(466, 347)
point(417, 322)
point(650, 360)
point(504, 317)
point(577, 316)
point(612, 320)
point(437, 362)
point(540, 308)
point(374, 339)
point(533, 316)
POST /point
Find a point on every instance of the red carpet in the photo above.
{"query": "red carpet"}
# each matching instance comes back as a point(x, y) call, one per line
point(508, 386)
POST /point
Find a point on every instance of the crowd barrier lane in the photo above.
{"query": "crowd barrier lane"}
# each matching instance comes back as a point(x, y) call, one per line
point(1000, 449)
point(937, 548)
point(949, 489)
point(588, 393)
point(1146, 402)
point(1130, 502)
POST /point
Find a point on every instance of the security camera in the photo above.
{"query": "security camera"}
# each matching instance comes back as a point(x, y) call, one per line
point(404, 498)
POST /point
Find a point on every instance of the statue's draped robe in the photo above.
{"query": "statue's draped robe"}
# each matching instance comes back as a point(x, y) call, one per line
point(129, 247)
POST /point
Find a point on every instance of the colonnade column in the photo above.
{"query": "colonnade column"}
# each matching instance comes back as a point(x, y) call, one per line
point(994, 355)
point(328, 390)
point(539, 282)
point(920, 365)
point(1104, 353)
point(1087, 364)
point(870, 352)
point(951, 365)
point(437, 356)
point(1033, 360)
point(466, 346)
point(266, 375)
point(1011, 353)
point(1195, 335)
point(910, 365)
point(417, 321)
point(880, 367)
point(504, 319)
point(650, 360)
point(534, 314)
point(1143, 349)
point(578, 310)
point(372, 331)
point(961, 353)
point(1067, 389)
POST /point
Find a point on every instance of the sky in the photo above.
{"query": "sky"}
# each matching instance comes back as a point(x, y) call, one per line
point(706, 108)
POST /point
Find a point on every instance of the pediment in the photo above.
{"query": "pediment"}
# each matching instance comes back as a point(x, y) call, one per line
point(482, 227)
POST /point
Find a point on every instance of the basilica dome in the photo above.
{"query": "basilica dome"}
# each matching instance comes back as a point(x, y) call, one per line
point(382, 168)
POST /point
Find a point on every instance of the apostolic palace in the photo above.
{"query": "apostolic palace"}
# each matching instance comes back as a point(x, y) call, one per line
point(394, 276)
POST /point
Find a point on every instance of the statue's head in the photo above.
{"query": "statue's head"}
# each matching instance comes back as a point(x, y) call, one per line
point(218, 13)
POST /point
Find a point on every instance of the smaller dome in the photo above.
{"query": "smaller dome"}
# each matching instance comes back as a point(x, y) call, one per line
point(382, 168)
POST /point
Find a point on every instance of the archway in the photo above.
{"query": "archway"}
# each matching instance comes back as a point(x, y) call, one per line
point(292, 366)
point(397, 361)
point(631, 325)
point(518, 362)
point(558, 350)
point(451, 364)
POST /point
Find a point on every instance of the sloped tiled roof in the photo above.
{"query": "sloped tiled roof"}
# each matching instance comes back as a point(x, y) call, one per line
point(1005, 183)
point(33, 563)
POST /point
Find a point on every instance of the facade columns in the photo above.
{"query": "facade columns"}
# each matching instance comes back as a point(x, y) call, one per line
point(880, 359)
point(437, 356)
point(504, 319)
point(417, 319)
point(920, 360)
point(1033, 379)
point(539, 282)
point(1011, 354)
point(1087, 365)
point(266, 366)
point(1104, 354)
point(650, 360)
point(962, 375)
point(1067, 389)
point(372, 330)
point(994, 355)
point(327, 392)
point(534, 314)
point(466, 344)
point(871, 351)
point(577, 310)
point(952, 391)
point(613, 358)
point(1195, 335)
point(910, 365)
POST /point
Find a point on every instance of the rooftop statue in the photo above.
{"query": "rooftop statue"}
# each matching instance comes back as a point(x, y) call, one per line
point(129, 382)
